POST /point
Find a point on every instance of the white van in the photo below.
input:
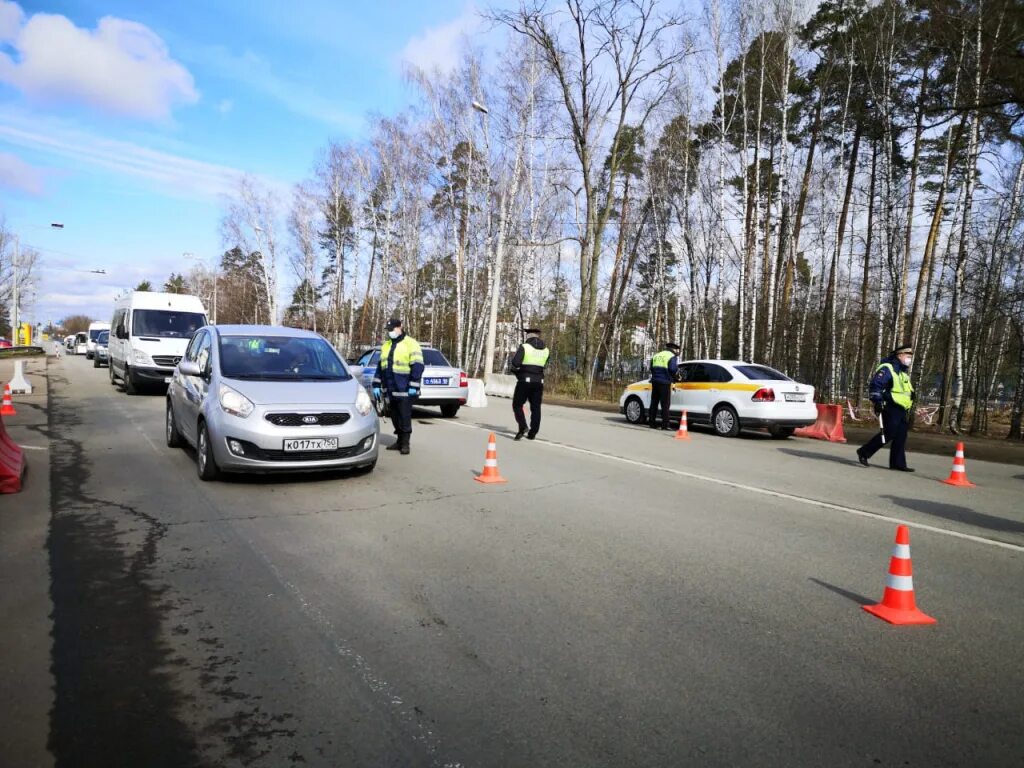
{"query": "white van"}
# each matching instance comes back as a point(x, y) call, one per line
point(150, 332)
point(94, 333)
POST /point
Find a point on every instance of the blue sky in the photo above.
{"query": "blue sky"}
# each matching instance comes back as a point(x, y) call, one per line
point(126, 121)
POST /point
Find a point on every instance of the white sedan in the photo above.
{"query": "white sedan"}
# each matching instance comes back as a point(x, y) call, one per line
point(730, 395)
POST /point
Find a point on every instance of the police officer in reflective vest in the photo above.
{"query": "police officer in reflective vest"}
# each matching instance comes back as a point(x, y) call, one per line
point(664, 367)
point(893, 397)
point(398, 374)
point(528, 365)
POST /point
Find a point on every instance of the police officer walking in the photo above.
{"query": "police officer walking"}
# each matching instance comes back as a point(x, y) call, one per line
point(528, 365)
point(893, 397)
point(664, 366)
point(398, 374)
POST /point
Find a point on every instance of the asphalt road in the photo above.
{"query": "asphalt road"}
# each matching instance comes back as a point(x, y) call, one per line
point(625, 599)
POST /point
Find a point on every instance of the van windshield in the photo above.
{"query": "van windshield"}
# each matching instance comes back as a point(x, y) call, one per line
point(94, 333)
point(166, 323)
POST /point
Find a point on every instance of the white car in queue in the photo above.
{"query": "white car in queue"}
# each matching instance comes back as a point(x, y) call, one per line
point(730, 395)
point(257, 398)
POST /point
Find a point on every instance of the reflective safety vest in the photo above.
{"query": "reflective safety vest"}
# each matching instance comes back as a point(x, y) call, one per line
point(534, 356)
point(662, 359)
point(407, 354)
point(902, 390)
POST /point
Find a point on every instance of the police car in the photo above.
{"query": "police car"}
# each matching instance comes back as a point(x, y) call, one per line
point(444, 385)
point(730, 395)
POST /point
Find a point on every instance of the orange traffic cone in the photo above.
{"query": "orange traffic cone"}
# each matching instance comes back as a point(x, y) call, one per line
point(898, 606)
point(7, 409)
point(490, 473)
point(683, 433)
point(958, 476)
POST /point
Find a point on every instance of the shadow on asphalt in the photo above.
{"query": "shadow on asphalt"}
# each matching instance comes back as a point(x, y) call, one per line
point(819, 456)
point(859, 599)
point(959, 514)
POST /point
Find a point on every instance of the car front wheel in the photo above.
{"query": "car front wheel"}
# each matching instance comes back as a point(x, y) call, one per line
point(171, 428)
point(206, 464)
point(634, 410)
point(726, 422)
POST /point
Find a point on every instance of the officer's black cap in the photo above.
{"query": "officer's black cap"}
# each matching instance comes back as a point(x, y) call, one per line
point(906, 349)
point(393, 323)
point(671, 345)
point(531, 330)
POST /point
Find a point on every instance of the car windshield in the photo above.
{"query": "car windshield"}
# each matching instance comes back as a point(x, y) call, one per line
point(280, 358)
point(103, 338)
point(433, 357)
point(166, 323)
point(95, 334)
point(761, 373)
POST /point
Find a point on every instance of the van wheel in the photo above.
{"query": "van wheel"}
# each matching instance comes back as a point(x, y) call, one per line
point(634, 410)
point(725, 421)
point(130, 387)
point(206, 464)
point(449, 411)
point(113, 378)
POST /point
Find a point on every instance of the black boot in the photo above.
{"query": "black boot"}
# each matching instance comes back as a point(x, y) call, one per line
point(403, 444)
point(395, 446)
point(519, 434)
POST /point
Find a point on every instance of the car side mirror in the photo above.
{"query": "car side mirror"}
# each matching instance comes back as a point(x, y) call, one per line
point(121, 333)
point(189, 368)
point(356, 371)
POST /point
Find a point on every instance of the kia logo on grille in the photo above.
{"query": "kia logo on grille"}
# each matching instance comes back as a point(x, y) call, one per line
point(310, 419)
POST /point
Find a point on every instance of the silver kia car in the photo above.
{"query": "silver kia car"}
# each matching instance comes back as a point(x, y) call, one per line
point(258, 398)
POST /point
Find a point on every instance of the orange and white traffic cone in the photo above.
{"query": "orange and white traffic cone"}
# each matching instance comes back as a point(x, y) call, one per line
point(958, 476)
point(490, 473)
point(898, 605)
point(683, 433)
point(7, 409)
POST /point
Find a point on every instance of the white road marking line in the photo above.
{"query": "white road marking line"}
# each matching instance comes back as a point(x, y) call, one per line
point(762, 491)
point(34, 447)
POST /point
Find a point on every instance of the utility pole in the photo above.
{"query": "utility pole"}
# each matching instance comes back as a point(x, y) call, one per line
point(492, 321)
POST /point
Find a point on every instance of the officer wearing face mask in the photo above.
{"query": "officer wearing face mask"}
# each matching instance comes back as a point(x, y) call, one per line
point(398, 375)
point(893, 397)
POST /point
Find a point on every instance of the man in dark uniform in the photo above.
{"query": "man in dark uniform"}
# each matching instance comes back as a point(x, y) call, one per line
point(893, 398)
point(528, 365)
point(398, 374)
point(664, 367)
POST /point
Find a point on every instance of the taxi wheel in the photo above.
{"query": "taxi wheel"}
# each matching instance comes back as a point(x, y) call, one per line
point(634, 410)
point(726, 422)
point(206, 464)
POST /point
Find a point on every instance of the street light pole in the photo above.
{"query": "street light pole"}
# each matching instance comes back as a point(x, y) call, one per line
point(15, 318)
point(492, 320)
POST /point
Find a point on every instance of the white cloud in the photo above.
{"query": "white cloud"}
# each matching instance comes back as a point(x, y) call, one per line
point(439, 47)
point(121, 67)
point(18, 175)
point(169, 173)
point(225, 106)
point(11, 17)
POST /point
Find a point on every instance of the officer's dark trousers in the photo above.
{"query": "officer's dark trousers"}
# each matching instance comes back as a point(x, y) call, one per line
point(401, 417)
point(894, 427)
point(534, 394)
point(661, 394)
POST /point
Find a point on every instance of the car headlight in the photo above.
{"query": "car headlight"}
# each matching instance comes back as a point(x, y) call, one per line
point(139, 356)
point(234, 402)
point(363, 403)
